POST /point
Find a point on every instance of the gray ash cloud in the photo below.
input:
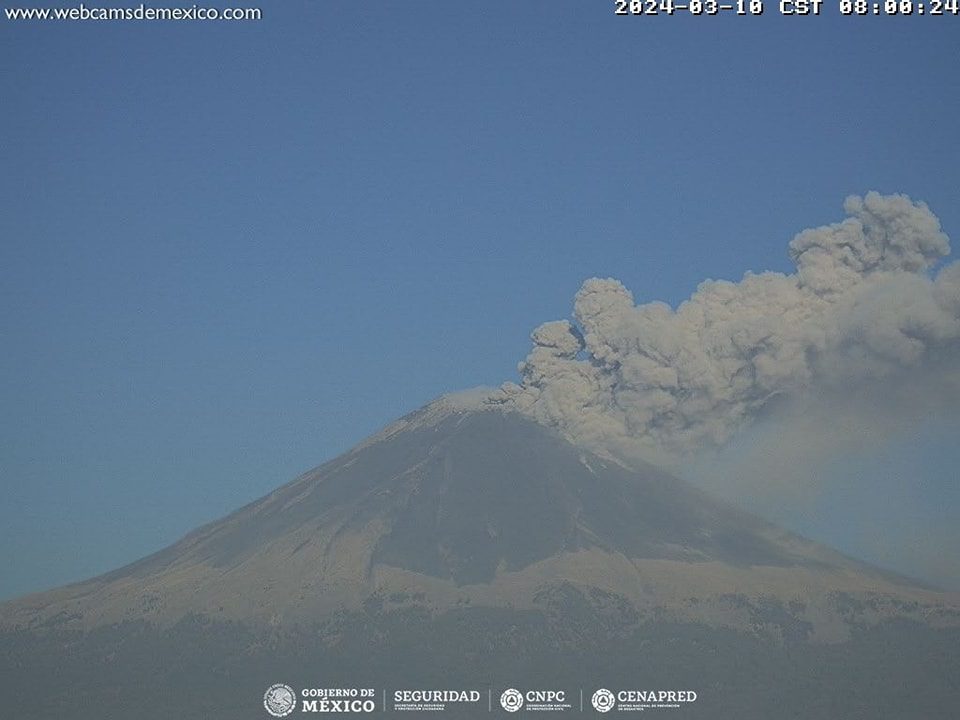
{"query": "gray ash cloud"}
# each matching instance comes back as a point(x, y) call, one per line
point(864, 308)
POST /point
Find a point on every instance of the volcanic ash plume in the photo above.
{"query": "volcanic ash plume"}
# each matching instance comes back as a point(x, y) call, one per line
point(861, 311)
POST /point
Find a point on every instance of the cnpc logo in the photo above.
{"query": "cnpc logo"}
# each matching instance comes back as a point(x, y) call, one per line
point(513, 700)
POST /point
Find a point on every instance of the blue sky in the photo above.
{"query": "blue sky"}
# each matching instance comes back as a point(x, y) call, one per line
point(230, 251)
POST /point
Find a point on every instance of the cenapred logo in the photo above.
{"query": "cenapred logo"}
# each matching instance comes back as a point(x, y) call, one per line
point(603, 700)
point(279, 700)
point(511, 700)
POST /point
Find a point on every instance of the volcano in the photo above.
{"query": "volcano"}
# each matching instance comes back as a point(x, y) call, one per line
point(469, 546)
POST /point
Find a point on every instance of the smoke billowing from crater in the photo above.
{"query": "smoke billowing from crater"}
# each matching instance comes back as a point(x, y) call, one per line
point(862, 314)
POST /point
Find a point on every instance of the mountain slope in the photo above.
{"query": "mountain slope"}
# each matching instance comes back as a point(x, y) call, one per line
point(456, 505)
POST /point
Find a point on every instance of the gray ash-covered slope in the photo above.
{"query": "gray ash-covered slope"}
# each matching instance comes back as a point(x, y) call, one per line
point(470, 545)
